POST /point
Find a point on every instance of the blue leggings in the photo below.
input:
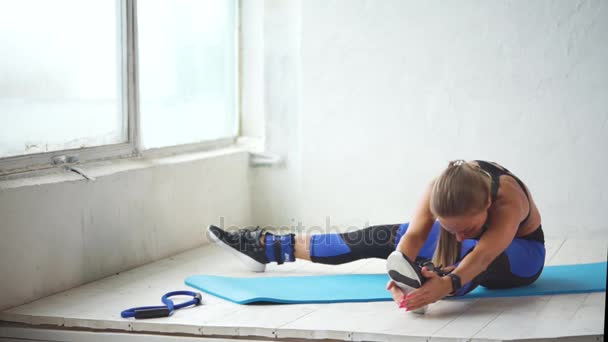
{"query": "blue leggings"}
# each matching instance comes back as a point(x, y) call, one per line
point(520, 264)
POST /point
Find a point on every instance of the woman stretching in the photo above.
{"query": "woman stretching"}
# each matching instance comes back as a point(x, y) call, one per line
point(476, 218)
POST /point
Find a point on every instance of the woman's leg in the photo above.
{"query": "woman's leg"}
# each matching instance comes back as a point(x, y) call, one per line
point(302, 247)
point(372, 242)
point(428, 249)
point(257, 247)
point(338, 248)
point(519, 265)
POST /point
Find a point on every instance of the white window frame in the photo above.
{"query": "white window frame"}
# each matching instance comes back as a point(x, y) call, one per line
point(130, 105)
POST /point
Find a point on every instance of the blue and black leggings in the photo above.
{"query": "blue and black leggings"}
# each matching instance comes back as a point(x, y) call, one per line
point(520, 264)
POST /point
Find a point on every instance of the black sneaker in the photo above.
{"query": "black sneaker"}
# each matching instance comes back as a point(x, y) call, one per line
point(244, 243)
point(406, 274)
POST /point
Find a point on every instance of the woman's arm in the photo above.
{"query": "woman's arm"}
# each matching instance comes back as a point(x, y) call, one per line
point(415, 237)
point(420, 226)
point(494, 241)
point(505, 216)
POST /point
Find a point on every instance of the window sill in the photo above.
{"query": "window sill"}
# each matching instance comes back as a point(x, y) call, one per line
point(96, 169)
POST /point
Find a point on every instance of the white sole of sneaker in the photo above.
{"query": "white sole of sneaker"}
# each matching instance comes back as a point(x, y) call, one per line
point(251, 263)
point(398, 267)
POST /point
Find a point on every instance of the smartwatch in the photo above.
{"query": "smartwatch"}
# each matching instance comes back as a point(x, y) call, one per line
point(456, 283)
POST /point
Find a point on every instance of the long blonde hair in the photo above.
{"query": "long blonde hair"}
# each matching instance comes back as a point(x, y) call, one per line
point(461, 189)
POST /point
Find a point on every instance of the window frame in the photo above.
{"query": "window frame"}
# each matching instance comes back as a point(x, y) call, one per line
point(127, 12)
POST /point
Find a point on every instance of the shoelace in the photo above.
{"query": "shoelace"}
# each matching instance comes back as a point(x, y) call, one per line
point(249, 235)
point(431, 267)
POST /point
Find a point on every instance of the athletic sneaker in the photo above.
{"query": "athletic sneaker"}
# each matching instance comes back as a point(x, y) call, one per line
point(408, 274)
point(244, 243)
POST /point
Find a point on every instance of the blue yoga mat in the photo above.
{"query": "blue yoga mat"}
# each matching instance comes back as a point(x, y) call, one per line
point(371, 287)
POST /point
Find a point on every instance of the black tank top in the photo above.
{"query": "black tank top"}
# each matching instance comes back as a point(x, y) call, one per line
point(495, 172)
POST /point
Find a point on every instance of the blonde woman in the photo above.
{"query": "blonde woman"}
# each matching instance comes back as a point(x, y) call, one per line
point(476, 218)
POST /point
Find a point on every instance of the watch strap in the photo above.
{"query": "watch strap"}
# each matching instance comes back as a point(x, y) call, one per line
point(456, 282)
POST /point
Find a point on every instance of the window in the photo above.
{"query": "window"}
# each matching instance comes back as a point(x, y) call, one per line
point(70, 71)
point(187, 71)
point(60, 76)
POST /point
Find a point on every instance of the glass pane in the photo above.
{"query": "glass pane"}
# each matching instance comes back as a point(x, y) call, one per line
point(60, 70)
point(187, 62)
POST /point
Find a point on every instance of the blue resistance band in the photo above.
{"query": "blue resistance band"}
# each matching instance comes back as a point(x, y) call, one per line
point(164, 310)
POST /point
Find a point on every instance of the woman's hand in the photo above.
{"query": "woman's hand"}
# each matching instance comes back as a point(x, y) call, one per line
point(396, 292)
point(434, 289)
point(448, 269)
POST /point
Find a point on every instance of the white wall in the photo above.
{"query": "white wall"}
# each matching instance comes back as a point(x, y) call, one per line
point(366, 101)
point(390, 91)
point(60, 231)
point(252, 68)
point(276, 191)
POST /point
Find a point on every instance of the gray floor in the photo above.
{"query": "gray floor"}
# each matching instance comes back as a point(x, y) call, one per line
point(97, 306)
